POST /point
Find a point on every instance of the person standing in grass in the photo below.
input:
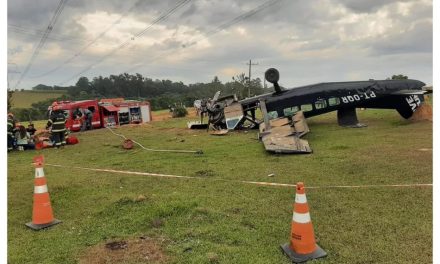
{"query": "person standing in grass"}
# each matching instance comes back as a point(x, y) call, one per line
point(78, 115)
point(57, 122)
point(11, 129)
point(88, 115)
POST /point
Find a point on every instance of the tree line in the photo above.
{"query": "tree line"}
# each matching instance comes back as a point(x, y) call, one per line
point(160, 93)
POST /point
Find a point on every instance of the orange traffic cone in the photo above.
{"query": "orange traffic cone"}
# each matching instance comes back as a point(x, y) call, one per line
point(302, 246)
point(42, 215)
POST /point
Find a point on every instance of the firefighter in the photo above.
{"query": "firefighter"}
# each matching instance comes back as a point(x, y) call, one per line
point(57, 121)
point(11, 130)
point(88, 115)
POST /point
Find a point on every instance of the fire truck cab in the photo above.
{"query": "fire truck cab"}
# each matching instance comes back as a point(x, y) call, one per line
point(70, 107)
point(107, 112)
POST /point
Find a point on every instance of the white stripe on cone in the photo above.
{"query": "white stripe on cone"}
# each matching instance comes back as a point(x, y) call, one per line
point(40, 189)
point(301, 218)
point(39, 173)
point(300, 198)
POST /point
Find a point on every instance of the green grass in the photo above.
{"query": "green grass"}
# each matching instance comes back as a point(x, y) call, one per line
point(239, 223)
point(25, 99)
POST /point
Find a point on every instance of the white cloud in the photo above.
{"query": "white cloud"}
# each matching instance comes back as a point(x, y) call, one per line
point(327, 37)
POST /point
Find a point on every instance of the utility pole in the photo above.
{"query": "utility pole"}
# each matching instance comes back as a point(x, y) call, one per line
point(249, 83)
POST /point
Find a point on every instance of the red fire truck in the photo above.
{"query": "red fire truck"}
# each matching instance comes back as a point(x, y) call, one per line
point(107, 112)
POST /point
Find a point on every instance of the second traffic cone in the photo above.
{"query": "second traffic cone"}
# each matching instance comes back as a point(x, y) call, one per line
point(42, 215)
point(302, 246)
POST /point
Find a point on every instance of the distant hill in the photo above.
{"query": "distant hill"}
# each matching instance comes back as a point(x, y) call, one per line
point(24, 99)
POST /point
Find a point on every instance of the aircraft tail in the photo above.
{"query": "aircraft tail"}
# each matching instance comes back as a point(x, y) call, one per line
point(407, 105)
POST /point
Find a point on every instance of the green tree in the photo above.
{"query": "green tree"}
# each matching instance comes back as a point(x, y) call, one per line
point(10, 92)
point(83, 83)
point(399, 77)
point(239, 86)
point(42, 87)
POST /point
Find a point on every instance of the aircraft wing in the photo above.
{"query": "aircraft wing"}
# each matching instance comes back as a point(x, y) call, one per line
point(408, 92)
point(284, 136)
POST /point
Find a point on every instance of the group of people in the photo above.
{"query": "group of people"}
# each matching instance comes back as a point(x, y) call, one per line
point(22, 138)
point(85, 117)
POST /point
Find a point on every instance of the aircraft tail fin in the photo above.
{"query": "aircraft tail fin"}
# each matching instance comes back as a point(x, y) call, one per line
point(407, 105)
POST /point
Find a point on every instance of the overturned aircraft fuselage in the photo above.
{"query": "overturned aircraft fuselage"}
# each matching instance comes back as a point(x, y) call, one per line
point(306, 101)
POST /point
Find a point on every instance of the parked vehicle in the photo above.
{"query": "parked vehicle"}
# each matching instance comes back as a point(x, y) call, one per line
point(106, 112)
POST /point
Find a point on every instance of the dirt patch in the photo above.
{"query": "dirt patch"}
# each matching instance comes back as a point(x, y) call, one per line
point(139, 250)
point(424, 112)
point(161, 116)
point(205, 173)
point(116, 245)
point(167, 115)
point(157, 223)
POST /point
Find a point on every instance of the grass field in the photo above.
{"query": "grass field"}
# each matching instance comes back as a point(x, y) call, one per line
point(24, 99)
point(214, 220)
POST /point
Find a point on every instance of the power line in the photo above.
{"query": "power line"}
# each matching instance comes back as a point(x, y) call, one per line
point(179, 4)
point(11, 71)
point(39, 33)
point(77, 54)
point(43, 39)
point(219, 28)
point(241, 17)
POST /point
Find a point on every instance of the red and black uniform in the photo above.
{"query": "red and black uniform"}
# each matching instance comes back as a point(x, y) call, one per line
point(57, 121)
point(11, 130)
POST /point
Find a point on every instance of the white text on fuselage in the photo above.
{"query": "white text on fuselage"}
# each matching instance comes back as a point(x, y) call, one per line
point(357, 97)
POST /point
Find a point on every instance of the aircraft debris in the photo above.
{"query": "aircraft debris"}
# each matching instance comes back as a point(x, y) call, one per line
point(197, 125)
point(285, 110)
point(220, 132)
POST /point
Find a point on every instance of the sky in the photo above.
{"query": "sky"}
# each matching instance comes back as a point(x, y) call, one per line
point(307, 41)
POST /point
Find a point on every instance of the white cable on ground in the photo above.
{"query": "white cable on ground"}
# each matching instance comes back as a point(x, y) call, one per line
point(157, 150)
point(246, 182)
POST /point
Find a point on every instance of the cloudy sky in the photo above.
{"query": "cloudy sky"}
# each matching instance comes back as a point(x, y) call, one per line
point(309, 41)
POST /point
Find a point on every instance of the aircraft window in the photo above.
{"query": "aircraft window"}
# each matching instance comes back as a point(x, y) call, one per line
point(306, 107)
point(273, 115)
point(289, 111)
point(333, 101)
point(232, 123)
point(321, 103)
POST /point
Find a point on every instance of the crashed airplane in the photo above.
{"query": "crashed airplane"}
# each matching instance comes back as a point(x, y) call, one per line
point(284, 111)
